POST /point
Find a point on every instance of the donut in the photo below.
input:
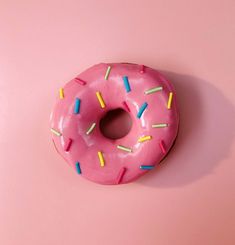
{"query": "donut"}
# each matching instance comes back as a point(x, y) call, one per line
point(143, 94)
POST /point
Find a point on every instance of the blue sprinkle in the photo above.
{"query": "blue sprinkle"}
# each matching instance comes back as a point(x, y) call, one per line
point(77, 106)
point(126, 84)
point(78, 168)
point(141, 110)
point(146, 167)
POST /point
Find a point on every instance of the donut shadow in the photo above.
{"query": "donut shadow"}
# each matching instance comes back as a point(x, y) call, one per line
point(205, 135)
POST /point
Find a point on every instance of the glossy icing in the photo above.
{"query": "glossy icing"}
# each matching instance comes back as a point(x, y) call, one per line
point(124, 88)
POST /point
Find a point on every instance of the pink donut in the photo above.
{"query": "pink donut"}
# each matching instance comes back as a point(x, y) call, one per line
point(143, 93)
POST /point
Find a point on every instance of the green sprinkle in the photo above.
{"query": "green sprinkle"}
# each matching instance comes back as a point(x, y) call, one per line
point(107, 73)
point(160, 125)
point(153, 90)
point(120, 147)
point(90, 129)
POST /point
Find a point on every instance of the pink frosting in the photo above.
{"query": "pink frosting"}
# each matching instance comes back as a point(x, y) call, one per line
point(75, 146)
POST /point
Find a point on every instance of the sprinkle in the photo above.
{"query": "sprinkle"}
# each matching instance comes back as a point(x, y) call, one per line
point(146, 167)
point(78, 168)
point(77, 106)
point(61, 93)
point(160, 125)
point(126, 106)
point(142, 69)
point(126, 84)
point(169, 100)
point(162, 146)
point(90, 129)
point(101, 158)
point(80, 81)
point(121, 147)
point(120, 175)
point(100, 98)
point(68, 145)
point(153, 90)
point(142, 109)
point(55, 132)
point(144, 138)
point(107, 73)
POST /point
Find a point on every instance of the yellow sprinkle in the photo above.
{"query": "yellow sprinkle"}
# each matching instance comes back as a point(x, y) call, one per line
point(55, 132)
point(160, 125)
point(107, 73)
point(169, 100)
point(61, 93)
point(101, 158)
point(124, 148)
point(99, 97)
point(144, 138)
point(90, 129)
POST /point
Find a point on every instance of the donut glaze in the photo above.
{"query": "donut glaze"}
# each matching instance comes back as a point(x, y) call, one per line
point(154, 115)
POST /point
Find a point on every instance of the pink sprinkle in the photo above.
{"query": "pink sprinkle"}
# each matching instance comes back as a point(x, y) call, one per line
point(80, 81)
point(120, 175)
point(68, 145)
point(126, 106)
point(142, 70)
point(162, 146)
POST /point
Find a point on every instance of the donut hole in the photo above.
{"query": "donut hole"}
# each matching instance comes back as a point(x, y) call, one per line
point(115, 124)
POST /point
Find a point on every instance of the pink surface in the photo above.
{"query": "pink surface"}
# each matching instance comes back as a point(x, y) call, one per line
point(189, 200)
point(72, 124)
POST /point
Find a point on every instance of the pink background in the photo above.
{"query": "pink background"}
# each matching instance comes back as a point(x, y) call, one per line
point(191, 198)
